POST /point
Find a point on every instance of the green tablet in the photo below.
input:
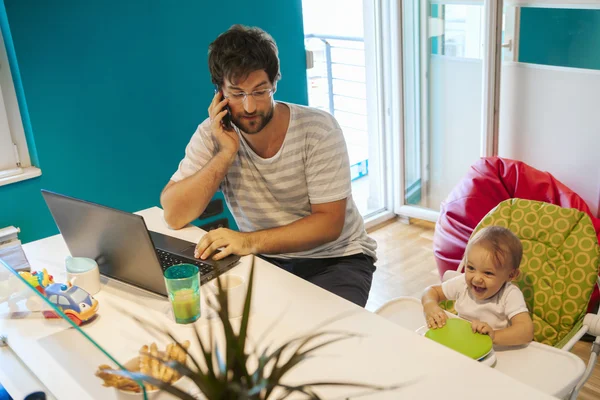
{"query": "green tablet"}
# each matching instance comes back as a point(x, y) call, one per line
point(458, 335)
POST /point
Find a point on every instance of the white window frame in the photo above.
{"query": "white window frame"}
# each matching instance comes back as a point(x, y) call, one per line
point(23, 168)
point(412, 22)
point(377, 54)
point(571, 4)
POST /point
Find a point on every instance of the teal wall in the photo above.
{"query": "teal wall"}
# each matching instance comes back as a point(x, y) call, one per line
point(115, 89)
point(560, 37)
point(435, 11)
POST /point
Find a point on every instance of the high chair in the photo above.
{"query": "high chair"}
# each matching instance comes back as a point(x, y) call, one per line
point(559, 270)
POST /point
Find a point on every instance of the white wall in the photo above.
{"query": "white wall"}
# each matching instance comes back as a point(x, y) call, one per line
point(550, 119)
point(454, 121)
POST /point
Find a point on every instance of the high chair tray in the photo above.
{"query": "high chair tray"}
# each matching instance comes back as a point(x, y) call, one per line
point(546, 368)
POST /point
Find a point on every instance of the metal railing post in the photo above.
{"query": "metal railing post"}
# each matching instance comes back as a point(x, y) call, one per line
point(329, 76)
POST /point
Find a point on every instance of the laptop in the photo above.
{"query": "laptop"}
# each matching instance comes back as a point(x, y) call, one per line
point(123, 246)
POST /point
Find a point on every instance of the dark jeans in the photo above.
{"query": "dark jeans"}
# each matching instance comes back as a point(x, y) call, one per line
point(349, 277)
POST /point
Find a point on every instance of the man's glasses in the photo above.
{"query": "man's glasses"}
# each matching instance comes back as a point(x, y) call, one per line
point(259, 95)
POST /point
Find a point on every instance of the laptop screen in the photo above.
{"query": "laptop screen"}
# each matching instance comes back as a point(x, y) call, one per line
point(118, 241)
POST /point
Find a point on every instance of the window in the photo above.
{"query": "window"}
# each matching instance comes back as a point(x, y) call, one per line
point(346, 79)
point(15, 163)
point(448, 72)
point(63, 301)
point(456, 30)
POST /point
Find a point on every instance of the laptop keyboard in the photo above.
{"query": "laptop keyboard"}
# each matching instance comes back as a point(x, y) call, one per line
point(170, 259)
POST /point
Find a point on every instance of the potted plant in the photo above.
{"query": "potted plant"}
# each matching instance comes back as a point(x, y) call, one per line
point(225, 374)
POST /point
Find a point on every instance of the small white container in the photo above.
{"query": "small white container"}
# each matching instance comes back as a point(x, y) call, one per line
point(236, 288)
point(83, 272)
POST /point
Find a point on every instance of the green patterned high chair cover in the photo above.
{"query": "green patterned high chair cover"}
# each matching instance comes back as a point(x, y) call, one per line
point(448, 305)
point(560, 263)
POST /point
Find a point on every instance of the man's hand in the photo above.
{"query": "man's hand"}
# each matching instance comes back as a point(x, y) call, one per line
point(483, 328)
point(231, 242)
point(228, 139)
point(434, 315)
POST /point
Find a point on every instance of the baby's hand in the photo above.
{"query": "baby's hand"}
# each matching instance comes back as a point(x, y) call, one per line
point(483, 328)
point(434, 315)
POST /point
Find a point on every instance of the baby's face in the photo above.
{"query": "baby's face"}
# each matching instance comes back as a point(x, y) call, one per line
point(483, 278)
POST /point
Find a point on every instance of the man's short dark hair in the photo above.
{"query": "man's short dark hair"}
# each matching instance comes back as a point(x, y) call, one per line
point(240, 51)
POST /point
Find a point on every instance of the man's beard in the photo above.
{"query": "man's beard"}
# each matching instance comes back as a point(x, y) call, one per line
point(255, 125)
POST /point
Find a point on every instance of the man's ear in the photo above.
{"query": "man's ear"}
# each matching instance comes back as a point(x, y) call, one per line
point(514, 274)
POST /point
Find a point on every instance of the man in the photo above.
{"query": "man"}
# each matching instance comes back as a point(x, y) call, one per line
point(284, 172)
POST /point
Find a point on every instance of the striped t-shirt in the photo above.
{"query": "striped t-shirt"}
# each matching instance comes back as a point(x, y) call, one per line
point(311, 167)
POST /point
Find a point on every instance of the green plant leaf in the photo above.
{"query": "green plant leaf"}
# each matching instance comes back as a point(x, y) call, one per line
point(302, 389)
point(235, 358)
point(198, 377)
point(187, 353)
point(149, 379)
point(226, 375)
point(323, 344)
point(308, 339)
point(165, 332)
point(220, 361)
point(274, 358)
point(257, 388)
point(207, 354)
point(258, 375)
point(278, 371)
point(272, 325)
point(246, 311)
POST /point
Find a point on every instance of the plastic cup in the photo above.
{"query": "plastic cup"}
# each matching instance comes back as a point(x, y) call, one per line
point(183, 286)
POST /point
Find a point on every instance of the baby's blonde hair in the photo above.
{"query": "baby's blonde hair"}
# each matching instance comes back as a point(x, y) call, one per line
point(504, 246)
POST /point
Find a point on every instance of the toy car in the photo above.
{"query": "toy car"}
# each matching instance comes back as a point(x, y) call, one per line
point(73, 301)
point(38, 279)
point(14, 291)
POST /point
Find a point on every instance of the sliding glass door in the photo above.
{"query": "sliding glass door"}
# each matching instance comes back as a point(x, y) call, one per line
point(514, 78)
point(447, 87)
point(344, 79)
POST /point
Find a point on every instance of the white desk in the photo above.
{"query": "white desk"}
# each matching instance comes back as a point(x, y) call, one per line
point(386, 354)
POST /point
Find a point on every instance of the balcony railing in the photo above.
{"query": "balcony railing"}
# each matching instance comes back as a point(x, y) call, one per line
point(337, 84)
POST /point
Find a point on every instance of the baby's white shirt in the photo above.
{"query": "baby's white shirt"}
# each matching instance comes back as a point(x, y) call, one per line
point(495, 311)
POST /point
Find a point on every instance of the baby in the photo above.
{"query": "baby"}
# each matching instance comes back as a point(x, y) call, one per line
point(484, 295)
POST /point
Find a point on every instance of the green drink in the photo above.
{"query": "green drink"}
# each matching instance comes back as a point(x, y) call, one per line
point(186, 305)
point(183, 286)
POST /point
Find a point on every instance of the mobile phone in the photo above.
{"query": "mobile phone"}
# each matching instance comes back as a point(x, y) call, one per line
point(226, 121)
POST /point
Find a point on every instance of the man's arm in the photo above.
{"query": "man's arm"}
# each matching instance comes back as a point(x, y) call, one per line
point(185, 200)
point(324, 225)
